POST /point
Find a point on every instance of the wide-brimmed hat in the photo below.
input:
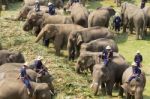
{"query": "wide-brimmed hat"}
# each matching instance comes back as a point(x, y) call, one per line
point(49, 3)
point(108, 47)
point(25, 64)
point(39, 58)
point(137, 51)
point(133, 64)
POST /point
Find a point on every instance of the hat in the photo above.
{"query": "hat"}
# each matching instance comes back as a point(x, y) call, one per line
point(108, 47)
point(133, 64)
point(36, 1)
point(39, 58)
point(137, 51)
point(25, 64)
point(49, 3)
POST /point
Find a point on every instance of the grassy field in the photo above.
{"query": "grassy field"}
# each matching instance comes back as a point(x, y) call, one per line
point(68, 84)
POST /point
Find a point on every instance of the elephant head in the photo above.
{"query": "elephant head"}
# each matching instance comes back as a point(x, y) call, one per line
point(48, 31)
point(111, 11)
point(33, 19)
point(47, 78)
point(135, 87)
point(15, 57)
point(87, 60)
point(24, 12)
point(100, 75)
point(123, 8)
point(42, 91)
point(74, 42)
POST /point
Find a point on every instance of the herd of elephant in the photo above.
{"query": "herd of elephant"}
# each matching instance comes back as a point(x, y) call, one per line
point(86, 35)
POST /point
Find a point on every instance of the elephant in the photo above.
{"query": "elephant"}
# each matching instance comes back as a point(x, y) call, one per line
point(99, 45)
point(76, 38)
point(11, 57)
point(19, 90)
point(11, 70)
point(135, 87)
point(79, 14)
point(134, 17)
point(25, 10)
point(100, 17)
point(107, 76)
point(88, 59)
point(59, 33)
point(40, 19)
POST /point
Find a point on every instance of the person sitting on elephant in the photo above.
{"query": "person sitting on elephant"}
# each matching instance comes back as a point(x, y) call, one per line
point(107, 55)
point(136, 72)
point(37, 6)
point(25, 77)
point(39, 67)
point(51, 8)
point(138, 59)
point(143, 3)
point(117, 22)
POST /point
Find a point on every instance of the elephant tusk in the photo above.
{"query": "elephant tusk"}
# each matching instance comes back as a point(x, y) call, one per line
point(51, 92)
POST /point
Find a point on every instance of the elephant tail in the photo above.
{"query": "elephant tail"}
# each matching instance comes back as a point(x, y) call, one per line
point(41, 34)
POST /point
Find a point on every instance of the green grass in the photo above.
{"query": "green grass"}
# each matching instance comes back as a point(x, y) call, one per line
point(68, 84)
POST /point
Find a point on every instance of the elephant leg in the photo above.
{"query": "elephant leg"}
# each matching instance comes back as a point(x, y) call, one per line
point(125, 25)
point(78, 51)
point(128, 96)
point(137, 34)
point(58, 43)
point(120, 91)
point(103, 89)
point(91, 69)
point(109, 87)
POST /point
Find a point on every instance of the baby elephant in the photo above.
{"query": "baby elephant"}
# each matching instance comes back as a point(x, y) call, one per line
point(133, 89)
point(99, 45)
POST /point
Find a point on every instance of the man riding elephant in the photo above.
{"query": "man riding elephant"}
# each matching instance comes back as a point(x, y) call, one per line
point(51, 8)
point(107, 55)
point(37, 6)
point(138, 59)
point(136, 72)
point(39, 67)
point(143, 3)
point(24, 77)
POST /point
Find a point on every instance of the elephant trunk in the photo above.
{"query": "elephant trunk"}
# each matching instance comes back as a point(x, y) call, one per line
point(95, 87)
point(41, 34)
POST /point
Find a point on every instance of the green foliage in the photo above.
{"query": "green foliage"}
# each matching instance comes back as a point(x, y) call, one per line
point(68, 84)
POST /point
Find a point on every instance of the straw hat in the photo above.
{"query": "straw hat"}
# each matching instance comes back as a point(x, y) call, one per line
point(108, 47)
point(39, 58)
point(49, 3)
point(137, 51)
point(25, 64)
point(133, 64)
point(36, 1)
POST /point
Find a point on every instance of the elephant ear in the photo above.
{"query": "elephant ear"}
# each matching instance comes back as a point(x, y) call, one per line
point(90, 61)
point(79, 39)
point(11, 58)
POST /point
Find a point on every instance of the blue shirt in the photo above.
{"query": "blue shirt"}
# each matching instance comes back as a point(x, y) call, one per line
point(23, 72)
point(51, 9)
point(38, 64)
